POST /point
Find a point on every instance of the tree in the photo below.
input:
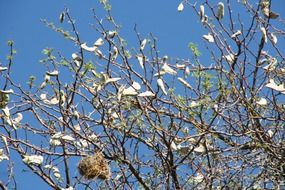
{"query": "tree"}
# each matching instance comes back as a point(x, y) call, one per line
point(111, 117)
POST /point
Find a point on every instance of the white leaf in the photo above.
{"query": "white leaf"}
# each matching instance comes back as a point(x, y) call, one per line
point(200, 149)
point(180, 7)
point(270, 133)
point(54, 142)
point(237, 33)
point(86, 48)
point(202, 13)
point(136, 85)
point(168, 69)
point(230, 58)
point(264, 34)
point(161, 85)
point(57, 135)
point(109, 80)
point(186, 84)
point(159, 74)
point(18, 119)
point(61, 17)
point(221, 11)
point(99, 42)
point(99, 53)
point(209, 38)
point(43, 96)
point(67, 138)
point(53, 73)
point(193, 104)
point(112, 33)
point(140, 59)
point(146, 94)
point(198, 178)
point(3, 156)
point(129, 92)
point(77, 127)
point(187, 71)
point(180, 66)
point(143, 43)
point(115, 115)
point(53, 101)
point(82, 143)
point(132, 90)
point(3, 68)
point(115, 53)
point(10, 91)
point(6, 111)
point(262, 102)
point(69, 188)
point(33, 159)
point(276, 87)
point(272, 62)
point(273, 38)
point(76, 57)
point(173, 146)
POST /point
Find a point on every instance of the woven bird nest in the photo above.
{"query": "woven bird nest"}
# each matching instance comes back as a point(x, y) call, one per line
point(94, 166)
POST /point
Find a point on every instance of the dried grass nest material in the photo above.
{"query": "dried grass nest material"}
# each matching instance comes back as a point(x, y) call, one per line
point(94, 166)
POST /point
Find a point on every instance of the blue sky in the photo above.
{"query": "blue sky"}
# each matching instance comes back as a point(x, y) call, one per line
point(20, 22)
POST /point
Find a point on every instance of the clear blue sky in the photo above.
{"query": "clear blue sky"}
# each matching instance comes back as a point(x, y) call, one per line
point(20, 22)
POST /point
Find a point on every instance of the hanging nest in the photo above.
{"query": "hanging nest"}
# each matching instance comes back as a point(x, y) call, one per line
point(94, 166)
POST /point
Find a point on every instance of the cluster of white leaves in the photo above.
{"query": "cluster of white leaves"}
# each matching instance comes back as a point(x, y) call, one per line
point(3, 156)
point(33, 159)
point(130, 91)
point(57, 138)
point(55, 171)
point(14, 122)
point(47, 78)
point(95, 48)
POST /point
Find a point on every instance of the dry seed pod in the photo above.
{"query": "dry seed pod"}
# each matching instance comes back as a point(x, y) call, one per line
point(94, 166)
